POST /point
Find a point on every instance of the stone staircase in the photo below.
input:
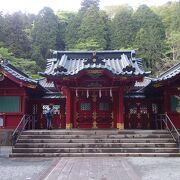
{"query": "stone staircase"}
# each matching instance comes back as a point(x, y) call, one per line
point(95, 143)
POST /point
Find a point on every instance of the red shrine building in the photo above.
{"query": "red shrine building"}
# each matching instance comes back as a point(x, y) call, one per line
point(90, 90)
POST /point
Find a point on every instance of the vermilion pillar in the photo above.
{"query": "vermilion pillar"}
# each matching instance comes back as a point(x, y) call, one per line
point(68, 109)
point(75, 113)
point(67, 93)
point(120, 119)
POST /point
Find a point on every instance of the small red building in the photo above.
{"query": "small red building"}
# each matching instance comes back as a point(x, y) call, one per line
point(15, 88)
point(104, 89)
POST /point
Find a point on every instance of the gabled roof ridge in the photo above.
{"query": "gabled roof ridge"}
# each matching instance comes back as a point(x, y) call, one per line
point(116, 61)
point(87, 52)
point(169, 70)
point(17, 70)
point(5, 62)
point(13, 71)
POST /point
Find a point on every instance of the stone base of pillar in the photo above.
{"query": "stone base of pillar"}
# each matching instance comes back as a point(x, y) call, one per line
point(94, 125)
point(68, 125)
point(120, 125)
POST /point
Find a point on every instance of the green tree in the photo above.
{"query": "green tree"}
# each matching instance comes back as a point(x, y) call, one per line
point(113, 10)
point(89, 4)
point(93, 25)
point(44, 35)
point(72, 30)
point(173, 43)
point(89, 44)
point(26, 65)
point(123, 29)
point(176, 18)
point(63, 21)
point(16, 38)
point(2, 28)
point(170, 15)
point(89, 25)
point(150, 36)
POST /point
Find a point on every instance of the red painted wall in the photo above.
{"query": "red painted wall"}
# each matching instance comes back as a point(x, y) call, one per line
point(174, 116)
point(9, 88)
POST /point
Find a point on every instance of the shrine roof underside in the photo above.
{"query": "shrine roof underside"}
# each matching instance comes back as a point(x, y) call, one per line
point(65, 63)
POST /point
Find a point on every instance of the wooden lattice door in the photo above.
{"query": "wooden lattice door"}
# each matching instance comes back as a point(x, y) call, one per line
point(104, 113)
point(94, 112)
point(137, 116)
point(84, 113)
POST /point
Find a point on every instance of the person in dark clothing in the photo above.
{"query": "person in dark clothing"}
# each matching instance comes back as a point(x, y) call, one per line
point(49, 115)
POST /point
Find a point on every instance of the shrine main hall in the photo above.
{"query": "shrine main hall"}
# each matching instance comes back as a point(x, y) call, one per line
point(90, 90)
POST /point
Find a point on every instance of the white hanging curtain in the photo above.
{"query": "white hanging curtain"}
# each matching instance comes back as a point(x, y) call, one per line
point(100, 94)
point(87, 93)
point(76, 93)
point(110, 92)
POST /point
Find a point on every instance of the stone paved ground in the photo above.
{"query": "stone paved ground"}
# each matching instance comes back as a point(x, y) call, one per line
point(108, 168)
point(116, 169)
point(23, 169)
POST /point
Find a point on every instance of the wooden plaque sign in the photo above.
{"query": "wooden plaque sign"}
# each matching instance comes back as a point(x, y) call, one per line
point(175, 104)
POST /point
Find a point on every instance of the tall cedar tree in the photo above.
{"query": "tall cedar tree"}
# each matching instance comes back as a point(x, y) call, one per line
point(2, 29)
point(176, 18)
point(123, 29)
point(44, 35)
point(72, 31)
point(93, 28)
point(88, 4)
point(16, 38)
point(150, 36)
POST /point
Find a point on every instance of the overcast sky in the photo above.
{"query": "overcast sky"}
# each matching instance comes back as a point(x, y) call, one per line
point(33, 6)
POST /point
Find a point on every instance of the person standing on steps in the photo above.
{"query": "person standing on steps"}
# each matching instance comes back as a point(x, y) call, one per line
point(49, 115)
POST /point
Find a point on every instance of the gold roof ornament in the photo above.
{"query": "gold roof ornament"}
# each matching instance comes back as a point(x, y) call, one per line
point(1, 76)
point(94, 57)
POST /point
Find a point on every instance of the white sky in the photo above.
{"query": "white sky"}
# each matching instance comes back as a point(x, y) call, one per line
point(33, 6)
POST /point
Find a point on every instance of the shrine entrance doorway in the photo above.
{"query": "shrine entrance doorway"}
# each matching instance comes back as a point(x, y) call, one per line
point(140, 114)
point(94, 112)
point(38, 108)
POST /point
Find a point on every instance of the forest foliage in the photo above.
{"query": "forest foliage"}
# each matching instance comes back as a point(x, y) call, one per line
point(27, 39)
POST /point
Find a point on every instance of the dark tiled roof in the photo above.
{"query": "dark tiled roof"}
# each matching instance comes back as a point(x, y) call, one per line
point(170, 73)
point(71, 63)
point(146, 81)
point(16, 73)
point(135, 95)
point(44, 83)
point(53, 97)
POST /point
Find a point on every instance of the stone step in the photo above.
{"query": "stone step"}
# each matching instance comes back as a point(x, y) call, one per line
point(95, 155)
point(95, 150)
point(91, 132)
point(95, 145)
point(92, 143)
point(133, 140)
point(118, 136)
